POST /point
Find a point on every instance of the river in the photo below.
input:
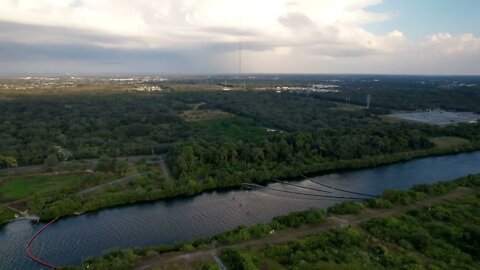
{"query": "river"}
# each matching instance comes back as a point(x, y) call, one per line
point(72, 239)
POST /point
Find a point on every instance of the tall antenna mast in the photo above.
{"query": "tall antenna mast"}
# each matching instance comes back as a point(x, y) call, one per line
point(240, 46)
point(369, 97)
point(240, 49)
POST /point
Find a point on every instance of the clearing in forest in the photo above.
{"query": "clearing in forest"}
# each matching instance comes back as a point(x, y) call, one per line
point(449, 142)
point(197, 115)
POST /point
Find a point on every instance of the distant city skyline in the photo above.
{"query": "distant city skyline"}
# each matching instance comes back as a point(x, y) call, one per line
point(432, 37)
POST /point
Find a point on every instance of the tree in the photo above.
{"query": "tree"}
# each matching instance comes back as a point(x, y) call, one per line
point(105, 164)
point(8, 162)
point(121, 166)
point(63, 153)
point(51, 160)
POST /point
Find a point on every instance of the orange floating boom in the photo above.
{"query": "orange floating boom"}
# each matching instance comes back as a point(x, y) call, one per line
point(27, 246)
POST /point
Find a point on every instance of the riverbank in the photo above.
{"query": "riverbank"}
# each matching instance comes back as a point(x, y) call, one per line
point(180, 189)
point(180, 220)
point(391, 203)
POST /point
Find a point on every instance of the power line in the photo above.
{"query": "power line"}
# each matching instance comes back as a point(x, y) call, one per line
point(290, 184)
point(334, 188)
point(305, 194)
point(293, 197)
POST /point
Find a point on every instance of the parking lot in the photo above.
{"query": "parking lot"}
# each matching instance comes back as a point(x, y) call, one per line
point(438, 117)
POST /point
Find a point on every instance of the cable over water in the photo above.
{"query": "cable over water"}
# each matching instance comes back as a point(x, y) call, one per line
point(294, 197)
point(305, 194)
point(290, 184)
point(334, 188)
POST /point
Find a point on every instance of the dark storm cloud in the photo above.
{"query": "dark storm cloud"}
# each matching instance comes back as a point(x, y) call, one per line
point(23, 42)
point(25, 52)
point(231, 31)
point(25, 48)
point(26, 33)
point(340, 50)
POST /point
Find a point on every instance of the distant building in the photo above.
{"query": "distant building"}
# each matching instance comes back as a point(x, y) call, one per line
point(145, 88)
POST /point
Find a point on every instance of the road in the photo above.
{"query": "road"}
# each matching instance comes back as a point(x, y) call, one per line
point(110, 183)
point(38, 167)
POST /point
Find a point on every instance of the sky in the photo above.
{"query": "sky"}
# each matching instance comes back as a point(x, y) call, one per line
point(435, 37)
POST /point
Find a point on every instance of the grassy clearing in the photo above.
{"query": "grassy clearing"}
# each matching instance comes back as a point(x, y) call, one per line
point(347, 107)
point(449, 142)
point(197, 87)
point(392, 120)
point(204, 115)
point(18, 187)
point(233, 127)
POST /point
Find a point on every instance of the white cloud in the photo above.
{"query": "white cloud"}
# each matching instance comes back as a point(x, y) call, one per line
point(183, 23)
point(449, 44)
point(310, 33)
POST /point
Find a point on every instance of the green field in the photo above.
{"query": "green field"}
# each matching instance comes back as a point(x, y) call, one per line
point(232, 127)
point(204, 115)
point(14, 188)
point(447, 142)
point(347, 107)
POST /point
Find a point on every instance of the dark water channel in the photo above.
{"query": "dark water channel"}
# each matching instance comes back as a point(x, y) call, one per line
point(69, 240)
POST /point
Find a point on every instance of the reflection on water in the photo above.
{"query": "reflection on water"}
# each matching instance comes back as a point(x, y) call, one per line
point(71, 239)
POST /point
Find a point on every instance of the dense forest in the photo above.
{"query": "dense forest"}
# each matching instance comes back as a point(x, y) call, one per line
point(306, 135)
point(92, 124)
point(211, 139)
point(410, 96)
point(88, 124)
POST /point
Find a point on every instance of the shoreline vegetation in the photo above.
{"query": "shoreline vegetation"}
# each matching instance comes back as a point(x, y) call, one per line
point(171, 189)
point(6, 215)
point(228, 243)
point(327, 167)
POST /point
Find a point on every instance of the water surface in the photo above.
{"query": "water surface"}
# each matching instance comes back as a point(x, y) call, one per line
point(70, 240)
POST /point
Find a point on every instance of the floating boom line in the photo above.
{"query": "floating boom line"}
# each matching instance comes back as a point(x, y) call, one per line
point(290, 184)
point(305, 194)
point(29, 253)
point(339, 189)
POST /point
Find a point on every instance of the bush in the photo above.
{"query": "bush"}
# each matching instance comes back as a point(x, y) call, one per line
point(207, 266)
point(6, 214)
point(188, 248)
point(295, 220)
point(346, 208)
point(378, 203)
point(235, 259)
point(399, 197)
point(117, 259)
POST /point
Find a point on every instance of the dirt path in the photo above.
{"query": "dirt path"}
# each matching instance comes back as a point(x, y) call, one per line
point(293, 234)
point(35, 168)
point(110, 183)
